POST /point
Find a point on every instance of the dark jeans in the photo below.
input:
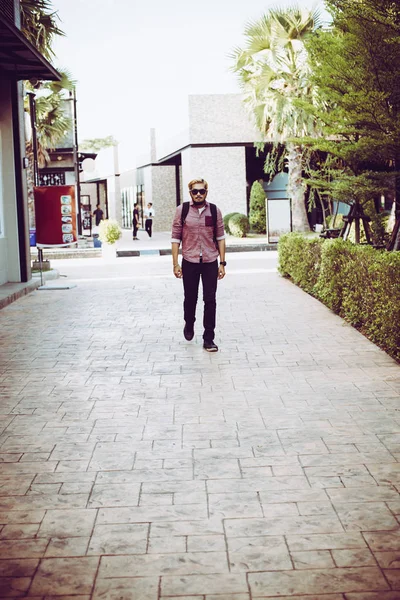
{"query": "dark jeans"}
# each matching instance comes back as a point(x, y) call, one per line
point(135, 229)
point(148, 225)
point(191, 278)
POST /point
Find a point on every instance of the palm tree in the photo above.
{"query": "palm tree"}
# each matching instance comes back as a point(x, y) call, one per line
point(39, 25)
point(53, 121)
point(274, 74)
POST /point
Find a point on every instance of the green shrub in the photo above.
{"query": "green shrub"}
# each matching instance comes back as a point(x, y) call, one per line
point(109, 231)
point(299, 259)
point(377, 224)
point(330, 219)
point(226, 221)
point(335, 257)
point(257, 215)
point(383, 302)
point(239, 225)
point(359, 283)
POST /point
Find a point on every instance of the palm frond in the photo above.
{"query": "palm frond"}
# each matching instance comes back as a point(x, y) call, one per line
point(274, 71)
point(39, 25)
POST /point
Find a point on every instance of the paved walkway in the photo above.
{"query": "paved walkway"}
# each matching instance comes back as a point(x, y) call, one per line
point(135, 466)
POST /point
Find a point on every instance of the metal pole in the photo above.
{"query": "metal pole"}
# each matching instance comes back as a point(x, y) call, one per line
point(32, 112)
point(76, 161)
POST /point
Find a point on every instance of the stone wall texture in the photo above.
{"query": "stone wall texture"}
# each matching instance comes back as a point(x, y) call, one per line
point(163, 197)
point(219, 118)
point(224, 168)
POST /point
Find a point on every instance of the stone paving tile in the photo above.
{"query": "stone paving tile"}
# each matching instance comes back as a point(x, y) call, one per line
point(186, 563)
point(63, 576)
point(206, 584)
point(373, 596)
point(258, 554)
point(134, 466)
point(262, 585)
point(67, 523)
point(64, 547)
point(119, 539)
point(128, 588)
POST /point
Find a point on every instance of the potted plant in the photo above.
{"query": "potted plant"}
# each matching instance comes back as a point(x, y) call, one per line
point(109, 234)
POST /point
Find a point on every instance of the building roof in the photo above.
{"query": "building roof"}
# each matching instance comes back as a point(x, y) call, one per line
point(19, 59)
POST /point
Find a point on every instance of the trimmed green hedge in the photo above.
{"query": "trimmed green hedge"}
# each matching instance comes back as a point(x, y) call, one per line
point(226, 221)
point(236, 224)
point(257, 214)
point(359, 283)
point(239, 225)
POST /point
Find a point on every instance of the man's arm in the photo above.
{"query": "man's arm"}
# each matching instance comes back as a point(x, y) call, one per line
point(221, 248)
point(175, 254)
point(220, 235)
point(176, 241)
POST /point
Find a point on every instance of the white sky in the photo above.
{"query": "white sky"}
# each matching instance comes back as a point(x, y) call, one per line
point(136, 62)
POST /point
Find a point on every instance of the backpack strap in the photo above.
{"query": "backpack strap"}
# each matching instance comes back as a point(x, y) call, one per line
point(214, 218)
point(185, 210)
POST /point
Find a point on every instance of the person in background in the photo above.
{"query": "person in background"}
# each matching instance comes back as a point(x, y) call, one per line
point(149, 214)
point(135, 220)
point(203, 240)
point(98, 215)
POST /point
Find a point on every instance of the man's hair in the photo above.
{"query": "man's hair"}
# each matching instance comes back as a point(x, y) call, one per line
point(194, 181)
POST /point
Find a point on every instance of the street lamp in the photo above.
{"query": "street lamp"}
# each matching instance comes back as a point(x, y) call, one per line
point(72, 98)
point(32, 112)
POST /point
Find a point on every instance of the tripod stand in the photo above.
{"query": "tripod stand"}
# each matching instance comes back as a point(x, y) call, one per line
point(356, 214)
point(394, 242)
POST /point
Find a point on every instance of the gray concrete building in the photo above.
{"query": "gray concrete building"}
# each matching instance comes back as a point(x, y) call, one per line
point(218, 145)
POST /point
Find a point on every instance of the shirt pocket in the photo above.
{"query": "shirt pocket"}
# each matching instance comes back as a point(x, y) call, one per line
point(209, 221)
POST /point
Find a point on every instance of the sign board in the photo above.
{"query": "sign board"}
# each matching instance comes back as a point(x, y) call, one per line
point(86, 213)
point(278, 218)
point(55, 213)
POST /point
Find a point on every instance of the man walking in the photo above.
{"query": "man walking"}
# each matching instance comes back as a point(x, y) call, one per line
point(135, 220)
point(98, 215)
point(199, 226)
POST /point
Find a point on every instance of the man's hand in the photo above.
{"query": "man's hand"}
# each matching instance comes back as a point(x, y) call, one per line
point(221, 272)
point(178, 271)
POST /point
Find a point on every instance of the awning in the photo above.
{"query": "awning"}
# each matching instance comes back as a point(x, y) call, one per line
point(19, 59)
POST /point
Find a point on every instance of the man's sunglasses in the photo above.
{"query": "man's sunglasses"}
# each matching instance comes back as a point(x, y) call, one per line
point(195, 192)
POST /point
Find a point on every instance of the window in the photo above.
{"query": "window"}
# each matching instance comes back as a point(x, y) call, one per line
point(127, 201)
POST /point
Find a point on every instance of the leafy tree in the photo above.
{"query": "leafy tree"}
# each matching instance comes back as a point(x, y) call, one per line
point(96, 144)
point(53, 120)
point(356, 69)
point(257, 216)
point(274, 74)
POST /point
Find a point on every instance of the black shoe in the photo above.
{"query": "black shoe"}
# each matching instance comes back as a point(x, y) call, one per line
point(210, 347)
point(188, 333)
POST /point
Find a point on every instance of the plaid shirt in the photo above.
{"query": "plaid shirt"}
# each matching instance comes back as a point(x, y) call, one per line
point(197, 235)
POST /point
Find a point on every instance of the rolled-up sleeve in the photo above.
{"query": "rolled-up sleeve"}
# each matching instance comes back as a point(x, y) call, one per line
point(220, 226)
point(177, 226)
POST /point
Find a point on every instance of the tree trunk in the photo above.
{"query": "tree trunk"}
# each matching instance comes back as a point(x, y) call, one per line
point(357, 229)
point(296, 188)
point(322, 208)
